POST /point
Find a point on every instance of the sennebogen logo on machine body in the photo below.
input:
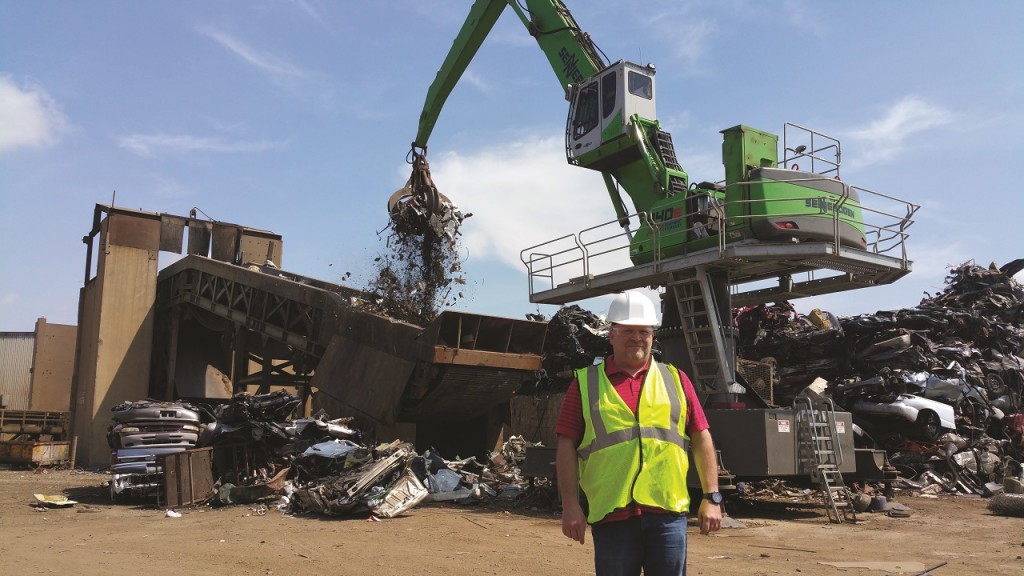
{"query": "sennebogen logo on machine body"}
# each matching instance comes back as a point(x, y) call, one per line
point(571, 69)
point(825, 205)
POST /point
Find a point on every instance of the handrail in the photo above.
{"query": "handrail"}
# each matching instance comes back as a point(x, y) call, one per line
point(885, 231)
point(833, 430)
point(829, 408)
point(831, 143)
point(533, 272)
point(586, 245)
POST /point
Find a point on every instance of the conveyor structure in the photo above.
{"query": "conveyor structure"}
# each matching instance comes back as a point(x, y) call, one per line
point(261, 326)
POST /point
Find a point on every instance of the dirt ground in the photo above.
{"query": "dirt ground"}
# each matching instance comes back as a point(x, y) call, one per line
point(97, 537)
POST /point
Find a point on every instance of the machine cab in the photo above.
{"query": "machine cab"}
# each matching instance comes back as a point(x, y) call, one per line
point(601, 107)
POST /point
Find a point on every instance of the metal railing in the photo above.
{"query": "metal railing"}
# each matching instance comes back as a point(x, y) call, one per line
point(799, 143)
point(571, 258)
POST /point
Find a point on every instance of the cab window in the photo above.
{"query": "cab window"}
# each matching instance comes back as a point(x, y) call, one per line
point(608, 93)
point(641, 85)
point(586, 117)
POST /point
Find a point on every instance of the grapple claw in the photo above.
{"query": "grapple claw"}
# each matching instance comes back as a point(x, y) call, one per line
point(418, 208)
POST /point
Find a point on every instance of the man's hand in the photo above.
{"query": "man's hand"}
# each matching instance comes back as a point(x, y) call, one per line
point(710, 516)
point(706, 460)
point(574, 522)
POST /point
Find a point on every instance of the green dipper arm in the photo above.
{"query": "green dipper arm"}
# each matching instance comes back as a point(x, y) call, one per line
point(570, 52)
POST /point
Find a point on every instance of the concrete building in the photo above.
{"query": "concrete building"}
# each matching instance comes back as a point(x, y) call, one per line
point(117, 307)
point(37, 368)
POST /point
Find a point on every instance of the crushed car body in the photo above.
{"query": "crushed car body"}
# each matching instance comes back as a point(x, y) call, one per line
point(928, 418)
point(139, 433)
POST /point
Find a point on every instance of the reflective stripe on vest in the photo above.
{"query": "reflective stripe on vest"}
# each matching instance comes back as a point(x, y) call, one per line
point(602, 439)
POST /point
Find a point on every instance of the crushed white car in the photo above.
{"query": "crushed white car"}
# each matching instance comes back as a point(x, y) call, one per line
point(927, 419)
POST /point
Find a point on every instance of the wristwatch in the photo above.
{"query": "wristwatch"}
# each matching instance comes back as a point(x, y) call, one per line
point(715, 497)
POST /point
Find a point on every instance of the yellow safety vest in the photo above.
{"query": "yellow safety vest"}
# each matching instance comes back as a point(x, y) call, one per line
point(625, 458)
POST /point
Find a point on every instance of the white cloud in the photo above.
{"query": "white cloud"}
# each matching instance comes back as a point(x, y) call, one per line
point(691, 46)
point(798, 15)
point(888, 135)
point(309, 10)
point(8, 299)
point(475, 80)
point(147, 144)
point(267, 62)
point(29, 117)
point(162, 186)
point(511, 33)
point(521, 194)
point(676, 122)
point(932, 261)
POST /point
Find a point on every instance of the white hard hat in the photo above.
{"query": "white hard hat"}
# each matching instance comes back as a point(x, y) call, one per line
point(632, 308)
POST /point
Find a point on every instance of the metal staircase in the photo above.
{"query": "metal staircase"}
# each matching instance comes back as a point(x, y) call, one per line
point(676, 185)
point(820, 454)
point(676, 182)
point(707, 347)
point(668, 150)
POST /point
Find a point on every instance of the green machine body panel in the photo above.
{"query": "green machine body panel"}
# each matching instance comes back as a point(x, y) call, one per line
point(759, 201)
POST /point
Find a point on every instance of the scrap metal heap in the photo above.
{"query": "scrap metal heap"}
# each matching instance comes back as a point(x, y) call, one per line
point(939, 386)
point(263, 455)
point(575, 337)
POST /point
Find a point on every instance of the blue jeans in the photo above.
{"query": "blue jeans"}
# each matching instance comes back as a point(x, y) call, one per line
point(654, 542)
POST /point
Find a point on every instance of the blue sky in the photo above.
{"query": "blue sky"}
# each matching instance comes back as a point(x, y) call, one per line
point(296, 116)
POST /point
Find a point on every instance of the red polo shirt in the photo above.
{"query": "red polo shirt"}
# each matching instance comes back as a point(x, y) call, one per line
point(571, 424)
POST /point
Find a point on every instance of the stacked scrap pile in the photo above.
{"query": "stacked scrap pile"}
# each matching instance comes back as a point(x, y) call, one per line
point(323, 466)
point(940, 386)
point(308, 464)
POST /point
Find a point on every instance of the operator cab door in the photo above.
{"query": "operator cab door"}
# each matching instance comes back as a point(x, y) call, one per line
point(603, 105)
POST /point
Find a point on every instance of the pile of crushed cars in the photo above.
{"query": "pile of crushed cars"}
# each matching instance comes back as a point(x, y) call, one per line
point(138, 434)
point(940, 387)
point(264, 456)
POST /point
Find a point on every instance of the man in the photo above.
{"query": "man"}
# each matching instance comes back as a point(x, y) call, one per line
point(623, 434)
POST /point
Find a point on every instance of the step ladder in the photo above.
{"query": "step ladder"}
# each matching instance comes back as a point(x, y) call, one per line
point(667, 150)
point(706, 347)
point(821, 455)
point(676, 185)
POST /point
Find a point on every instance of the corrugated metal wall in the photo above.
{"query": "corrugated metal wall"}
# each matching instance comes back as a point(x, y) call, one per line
point(16, 350)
